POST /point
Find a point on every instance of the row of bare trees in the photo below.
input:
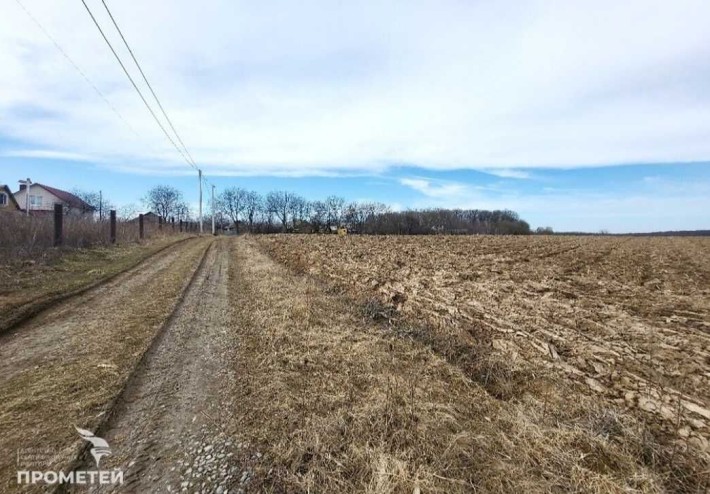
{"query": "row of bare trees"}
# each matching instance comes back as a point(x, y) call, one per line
point(285, 211)
point(163, 200)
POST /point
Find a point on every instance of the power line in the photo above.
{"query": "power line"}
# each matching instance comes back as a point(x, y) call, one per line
point(78, 69)
point(125, 71)
point(125, 42)
point(188, 159)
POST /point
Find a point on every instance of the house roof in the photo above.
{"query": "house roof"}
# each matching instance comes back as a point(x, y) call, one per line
point(149, 215)
point(8, 192)
point(67, 197)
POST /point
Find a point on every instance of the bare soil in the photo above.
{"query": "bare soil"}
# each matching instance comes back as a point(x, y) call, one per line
point(336, 399)
point(612, 322)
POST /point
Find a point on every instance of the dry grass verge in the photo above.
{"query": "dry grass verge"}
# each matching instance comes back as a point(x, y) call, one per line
point(29, 284)
point(32, 237)
point(336, 404)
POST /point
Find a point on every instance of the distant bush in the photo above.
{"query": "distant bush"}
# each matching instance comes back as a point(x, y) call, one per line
point(446, 221)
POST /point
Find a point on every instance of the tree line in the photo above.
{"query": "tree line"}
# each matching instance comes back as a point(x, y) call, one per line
point(244, 210)
point(285, 211)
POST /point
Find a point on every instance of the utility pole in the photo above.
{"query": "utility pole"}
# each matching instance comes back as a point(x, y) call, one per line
point(28, 184)
point(101, 206)
point(213, 230)
point(200, 213)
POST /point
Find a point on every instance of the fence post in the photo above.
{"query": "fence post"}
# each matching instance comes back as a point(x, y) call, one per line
point(160, 222)
point(172, 221)
point(113, 225)
point(140, 226)
point(58, 225)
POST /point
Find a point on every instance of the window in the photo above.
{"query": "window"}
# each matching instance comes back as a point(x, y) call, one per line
point(35, 201)
point(3, 199)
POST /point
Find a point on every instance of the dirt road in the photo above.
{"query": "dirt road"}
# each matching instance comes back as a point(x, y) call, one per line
point(67, 366)
point(168, 430)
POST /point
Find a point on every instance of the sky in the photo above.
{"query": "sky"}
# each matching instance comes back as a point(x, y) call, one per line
point(580, 115)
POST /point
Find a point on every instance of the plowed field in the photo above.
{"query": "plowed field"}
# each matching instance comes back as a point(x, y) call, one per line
point(623, 322)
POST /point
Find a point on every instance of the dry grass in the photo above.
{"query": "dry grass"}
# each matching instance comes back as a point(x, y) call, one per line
point(66, 366)
point(338, 402)
point(31, 237)
point(26, 283)
point(566, 325)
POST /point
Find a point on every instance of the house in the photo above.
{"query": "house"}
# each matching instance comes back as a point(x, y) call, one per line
point(149, 217)
point(7, 200)
point(42, 199)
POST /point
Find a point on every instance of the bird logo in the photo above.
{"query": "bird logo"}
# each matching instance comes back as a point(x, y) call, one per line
point(100, 446)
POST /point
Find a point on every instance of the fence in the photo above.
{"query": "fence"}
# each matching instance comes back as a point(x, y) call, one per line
point(31, 236)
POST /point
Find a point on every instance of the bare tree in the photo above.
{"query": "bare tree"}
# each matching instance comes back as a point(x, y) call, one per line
point(298, 210)
point(232, 202)
point(318, 214)
point(356, 215)
point(95, 201)
point(279, 203)
point(128, 212)
point(182, 211)
point(335, 207)
point(253, 205)
point(165, 201)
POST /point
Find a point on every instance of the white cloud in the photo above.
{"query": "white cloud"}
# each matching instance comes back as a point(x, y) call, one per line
point(660, 204)
point(319, 87)
point(46, 154)
point(427, 187)
point(509, 173)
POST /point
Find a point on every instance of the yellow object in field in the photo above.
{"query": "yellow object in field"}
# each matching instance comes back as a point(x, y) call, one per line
point(342, 231)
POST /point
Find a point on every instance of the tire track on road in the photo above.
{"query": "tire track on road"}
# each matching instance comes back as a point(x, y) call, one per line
point(168, 430)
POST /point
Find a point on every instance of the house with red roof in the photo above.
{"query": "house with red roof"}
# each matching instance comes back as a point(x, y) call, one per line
point(41, 199)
